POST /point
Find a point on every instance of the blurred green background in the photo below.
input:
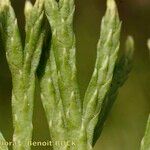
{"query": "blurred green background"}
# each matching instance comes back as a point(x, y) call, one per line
point(125, 126)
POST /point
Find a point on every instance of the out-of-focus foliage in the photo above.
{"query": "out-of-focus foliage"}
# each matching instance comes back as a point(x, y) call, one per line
point(145, 144)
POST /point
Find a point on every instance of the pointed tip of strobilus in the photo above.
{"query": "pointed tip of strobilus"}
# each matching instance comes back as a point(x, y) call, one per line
point(38, 6)
point(112, 8)
point(39, 3)
point(111, 4)
point(148, 44)
point(28, 7)
point(129, 47)
point(4, 4)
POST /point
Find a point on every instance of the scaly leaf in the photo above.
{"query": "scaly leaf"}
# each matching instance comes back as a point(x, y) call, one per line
point(107, 51)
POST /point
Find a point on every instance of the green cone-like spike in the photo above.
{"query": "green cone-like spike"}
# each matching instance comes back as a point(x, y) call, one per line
point(23, 62)
point(59, 89)
point(107, 51)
